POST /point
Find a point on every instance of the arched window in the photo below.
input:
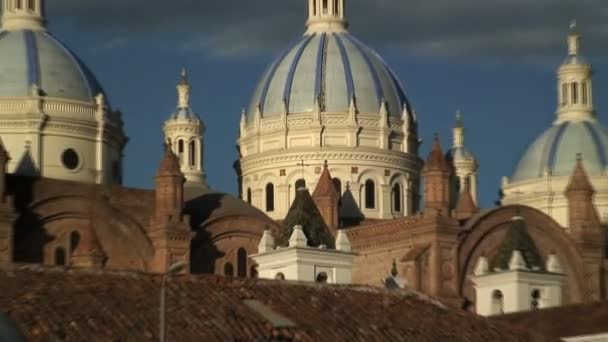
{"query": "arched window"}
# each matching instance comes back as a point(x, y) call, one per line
point(19, 4)
point(336, 7)
point(370, 194)
point(325, 6)
point(192, 154)
point(321, 278)
point(574, 92)
point(585, 93)
point(60, 257)
point(269, 197)
point(279, 276)
point(180, 150)
point(314, 7)
point(300, 183)
point(337, 186)
point(564, 94)
point(31, 5)
point(397, 198)
point(74, 240)
point(241, 262)
point(497, 303)
point(228, 270)
point(249, 195)
point(535, 303)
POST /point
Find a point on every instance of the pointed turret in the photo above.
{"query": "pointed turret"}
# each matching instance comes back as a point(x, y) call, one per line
point(304, 212)
point(579, 192)
point(437, 173)
point(466, 207)
point(326, 199)
point(463, 163)
point(169, 230)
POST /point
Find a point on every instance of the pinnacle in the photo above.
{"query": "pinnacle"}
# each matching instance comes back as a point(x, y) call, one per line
point(325, 185)
point(579, 181)
point(436, 160)
point(466, 204)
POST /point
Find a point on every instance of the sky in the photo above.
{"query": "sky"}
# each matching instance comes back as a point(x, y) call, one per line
point(494, 60)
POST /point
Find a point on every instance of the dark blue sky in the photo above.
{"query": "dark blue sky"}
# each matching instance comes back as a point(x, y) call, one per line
point(494, 63)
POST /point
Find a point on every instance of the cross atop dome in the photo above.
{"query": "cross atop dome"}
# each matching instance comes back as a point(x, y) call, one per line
point(23, 15)
point(326, 16)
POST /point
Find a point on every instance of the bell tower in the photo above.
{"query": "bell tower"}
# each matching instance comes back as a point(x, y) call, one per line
point(326, 16)
point(184, 130)
point(23, 15)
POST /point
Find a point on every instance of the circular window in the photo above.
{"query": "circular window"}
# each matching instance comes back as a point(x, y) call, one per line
point(70, 159)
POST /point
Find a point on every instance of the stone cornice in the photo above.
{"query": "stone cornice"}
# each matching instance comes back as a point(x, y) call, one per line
point(272, 158)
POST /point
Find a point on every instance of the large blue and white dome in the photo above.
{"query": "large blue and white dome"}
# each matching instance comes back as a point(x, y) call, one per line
point(331, 68)
point(36, 58)
point(554, 152)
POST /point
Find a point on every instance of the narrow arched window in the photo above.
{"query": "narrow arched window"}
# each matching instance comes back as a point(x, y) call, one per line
point(279, 276)
point(314, 7)
point(497, 302)
point(585, 93)
point(32, 5)
point(60, 257)
point(535, 299)
point(397, 198)
point(74, 240)
point(336, 7)
point(249, 195)
point(574, 92)
point(325, 6)
point(241, 262)
point(19, 4)
point(192, 154)
point(337, 186)
point(300, 183)
point(269, 197)
point(370, 194)
point(180, 150)
point(564, 94)
point(228, 270)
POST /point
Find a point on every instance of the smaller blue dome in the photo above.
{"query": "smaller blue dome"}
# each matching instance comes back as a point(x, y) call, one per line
point(555, 151)
point(29, 58)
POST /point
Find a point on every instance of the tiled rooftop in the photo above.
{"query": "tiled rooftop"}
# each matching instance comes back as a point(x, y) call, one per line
point(50, 304)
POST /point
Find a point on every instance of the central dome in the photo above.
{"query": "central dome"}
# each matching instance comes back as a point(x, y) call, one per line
point(331, 69)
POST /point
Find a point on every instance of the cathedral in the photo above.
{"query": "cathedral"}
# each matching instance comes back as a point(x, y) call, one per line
point(333, 188)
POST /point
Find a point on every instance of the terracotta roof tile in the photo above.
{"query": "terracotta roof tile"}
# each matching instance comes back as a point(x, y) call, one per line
point(77, 305)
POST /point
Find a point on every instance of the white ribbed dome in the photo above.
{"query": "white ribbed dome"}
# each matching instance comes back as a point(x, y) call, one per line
point(36, 58)
point(331, 68)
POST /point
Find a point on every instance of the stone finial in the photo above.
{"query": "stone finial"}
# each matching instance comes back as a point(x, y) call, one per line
point(342, 242)
point(553, 265)
point(517, 262)
point(298, 238)
point(482, 267)
point(579, 180)
point(436, 160)
point(266, 242)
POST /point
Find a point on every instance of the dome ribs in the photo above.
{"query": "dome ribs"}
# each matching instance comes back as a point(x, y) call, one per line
point(377, 84)
point(321, 72)
point(350, 82)
point(273, 71)
point(598, 143)
point(292, 70)
point(33, 66)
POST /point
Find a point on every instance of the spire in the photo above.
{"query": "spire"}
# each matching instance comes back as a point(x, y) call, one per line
point(23, 15)
point(327, 199)
point(326, 16)
point(574, 40)
point(458, 131)
point(183, 91)
point(579, 181)
point(169, 165)
point(325, 185)
point(436, 160)
point(466, 205)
